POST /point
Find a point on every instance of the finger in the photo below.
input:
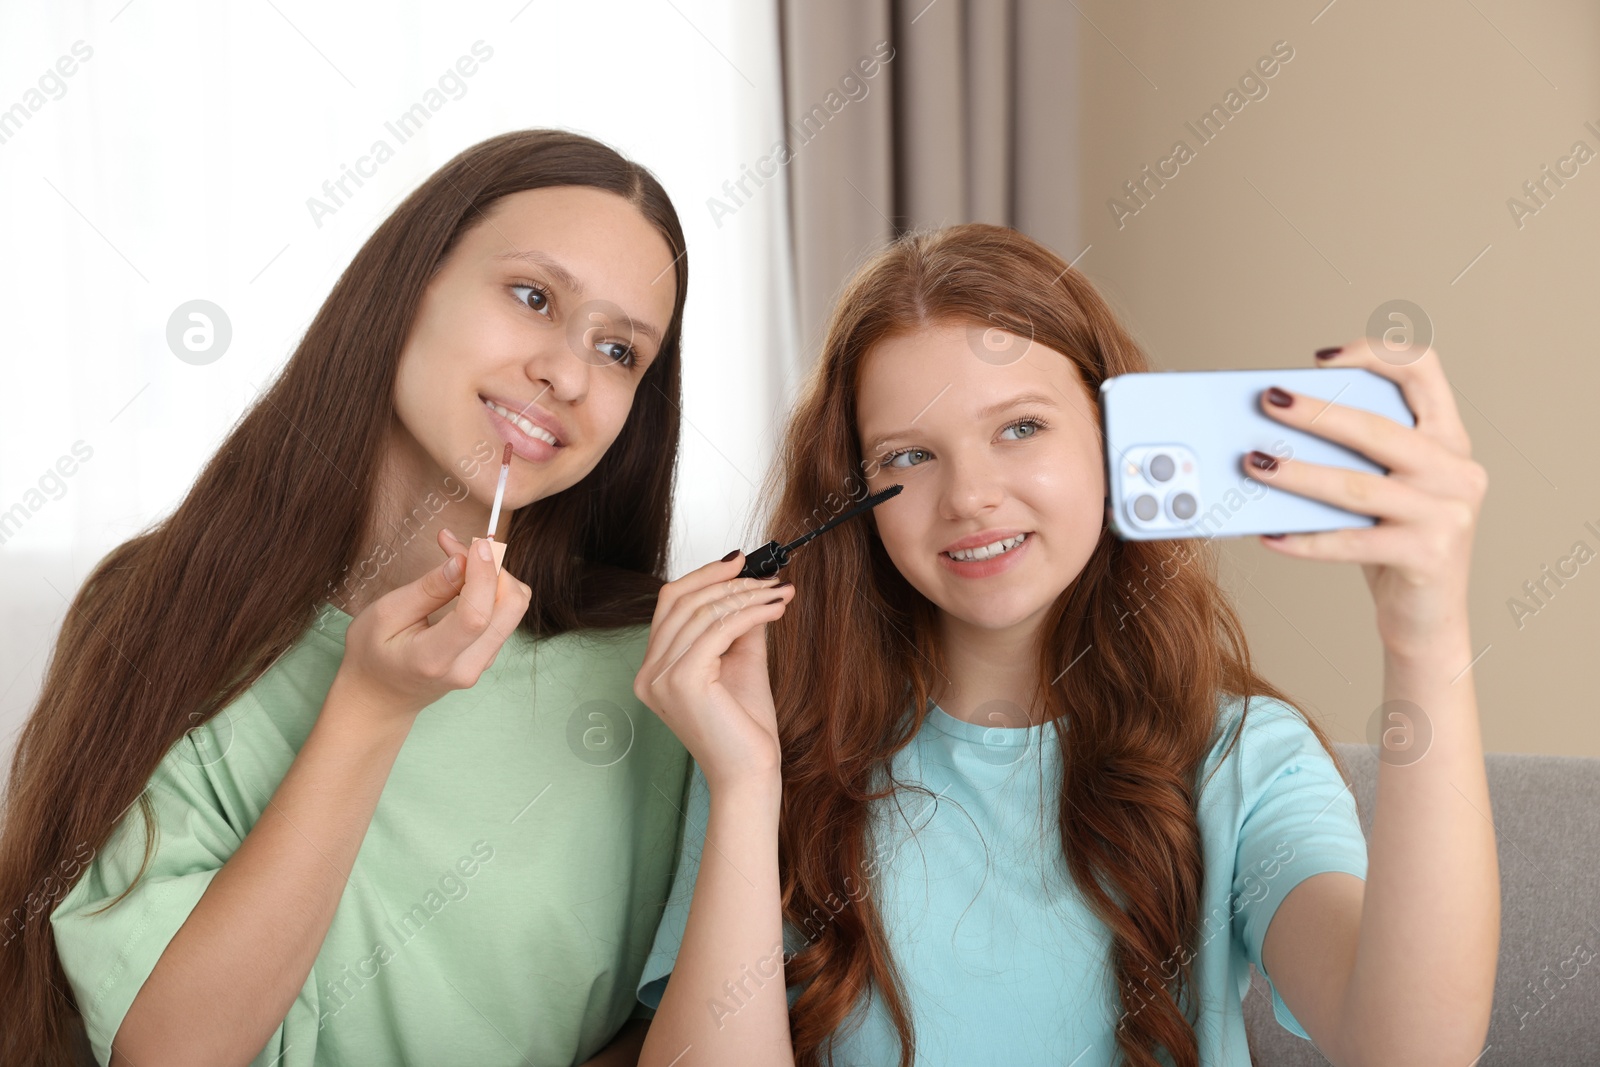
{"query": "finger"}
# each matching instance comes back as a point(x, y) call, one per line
point(453, 634)
point(713, 641)
point(510, 605)
point(1378, 495)
point(669, 619)
point(1428, 393)
point(713, 613)
point(721, 570)
point(451, 543)
point(412, 603)
point(1383, 543)
point(1393, 446)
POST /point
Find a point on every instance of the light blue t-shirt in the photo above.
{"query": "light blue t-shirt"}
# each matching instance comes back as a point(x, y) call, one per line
point(1002, 959)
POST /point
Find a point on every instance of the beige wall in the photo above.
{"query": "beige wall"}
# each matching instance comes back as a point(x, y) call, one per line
point(1388, 147)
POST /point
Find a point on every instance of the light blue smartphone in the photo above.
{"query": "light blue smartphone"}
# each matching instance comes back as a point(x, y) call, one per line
point(1175, 443)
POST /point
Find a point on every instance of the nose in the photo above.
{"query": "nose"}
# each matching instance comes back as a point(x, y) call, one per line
point(556, 371)
point(971, 487)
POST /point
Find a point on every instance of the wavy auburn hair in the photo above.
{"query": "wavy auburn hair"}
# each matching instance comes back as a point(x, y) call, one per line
point(168, 629)
point(854, 662)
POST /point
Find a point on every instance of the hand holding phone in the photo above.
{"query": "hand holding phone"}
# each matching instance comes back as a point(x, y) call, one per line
point(1175, 441)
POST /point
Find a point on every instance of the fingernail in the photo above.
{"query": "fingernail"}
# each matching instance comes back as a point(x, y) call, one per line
point(783, 585)
point(452, 568)
point(1263, 461)
point(1329, 353)
point(1279, 397)
point(729, 557)
point(484, 552)
point(1273, 537)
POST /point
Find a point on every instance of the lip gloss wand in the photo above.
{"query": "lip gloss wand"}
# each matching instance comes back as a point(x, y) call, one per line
point(497, 547)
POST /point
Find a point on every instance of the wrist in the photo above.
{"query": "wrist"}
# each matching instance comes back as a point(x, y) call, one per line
point(372, 714)
point(753, 790)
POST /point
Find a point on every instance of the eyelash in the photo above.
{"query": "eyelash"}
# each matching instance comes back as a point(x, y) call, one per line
point(629, 360)
point(1038, 423)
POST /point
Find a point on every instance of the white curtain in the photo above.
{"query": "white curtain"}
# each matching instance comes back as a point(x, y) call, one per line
point(153, 154)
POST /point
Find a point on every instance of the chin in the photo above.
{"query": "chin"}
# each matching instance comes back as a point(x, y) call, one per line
point(994, 613)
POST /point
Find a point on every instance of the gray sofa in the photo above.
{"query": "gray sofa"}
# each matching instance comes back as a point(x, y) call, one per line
point(1546, 1003)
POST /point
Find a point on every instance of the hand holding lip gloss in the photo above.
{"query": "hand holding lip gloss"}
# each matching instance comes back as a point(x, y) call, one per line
point(498, 548)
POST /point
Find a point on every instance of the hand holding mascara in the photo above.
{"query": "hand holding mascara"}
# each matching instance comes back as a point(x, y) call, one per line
point(766, 561)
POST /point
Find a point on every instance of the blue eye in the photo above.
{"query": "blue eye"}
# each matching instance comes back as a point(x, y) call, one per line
point(541, 301)
point(1033, 426)
point(893, 459)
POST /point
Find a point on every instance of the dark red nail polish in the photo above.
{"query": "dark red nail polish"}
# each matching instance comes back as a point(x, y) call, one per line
point(783, 585)
point(1279, 397)
point(1329, 353)
point(1273, 537)
point(1263, 461)
point(729, 557)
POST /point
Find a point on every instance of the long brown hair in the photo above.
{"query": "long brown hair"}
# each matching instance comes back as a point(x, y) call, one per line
point(169, 628)
point(854, 663)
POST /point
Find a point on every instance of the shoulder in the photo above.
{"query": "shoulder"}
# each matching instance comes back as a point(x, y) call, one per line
point(1260, 739)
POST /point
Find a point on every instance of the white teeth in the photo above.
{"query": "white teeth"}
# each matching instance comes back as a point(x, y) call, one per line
point(968, 555)
point(537, 432)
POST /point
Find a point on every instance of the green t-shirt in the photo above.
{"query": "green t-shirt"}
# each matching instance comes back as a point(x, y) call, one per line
point(506, 893)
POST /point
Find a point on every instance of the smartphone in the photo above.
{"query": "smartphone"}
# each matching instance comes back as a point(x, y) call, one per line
point(1175, 443)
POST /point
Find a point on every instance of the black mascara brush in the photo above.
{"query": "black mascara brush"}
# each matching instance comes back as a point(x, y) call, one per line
point(765, 561)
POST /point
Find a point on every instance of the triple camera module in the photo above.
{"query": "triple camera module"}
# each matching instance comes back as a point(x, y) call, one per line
point(1160, 487)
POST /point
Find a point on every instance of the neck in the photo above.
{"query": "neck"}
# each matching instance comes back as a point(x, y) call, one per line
point(415, 500)
point(993, 674)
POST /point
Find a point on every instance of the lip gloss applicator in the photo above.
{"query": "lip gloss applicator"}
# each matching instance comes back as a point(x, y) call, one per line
point(766, 561)
point(497, 547)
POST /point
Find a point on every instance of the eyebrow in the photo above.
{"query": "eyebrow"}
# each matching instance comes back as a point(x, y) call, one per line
point(988, 412)
point(570, 281)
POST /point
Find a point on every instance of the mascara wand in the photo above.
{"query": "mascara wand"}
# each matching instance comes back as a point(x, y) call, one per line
point(765, 561)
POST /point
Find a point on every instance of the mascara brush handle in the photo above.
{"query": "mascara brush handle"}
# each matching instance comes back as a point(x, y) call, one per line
point(764, 561)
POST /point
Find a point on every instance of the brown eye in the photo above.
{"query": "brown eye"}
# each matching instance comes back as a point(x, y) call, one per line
point(538, 300)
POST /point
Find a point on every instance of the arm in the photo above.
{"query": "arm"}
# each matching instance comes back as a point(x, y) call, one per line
point(247, 946)
point(705, 674)
point(1401, 969)
point(1404, 971)
point(726, 998)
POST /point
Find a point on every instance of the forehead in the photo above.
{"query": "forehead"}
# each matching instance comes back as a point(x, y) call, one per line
point(603, 242)
point(949, 372)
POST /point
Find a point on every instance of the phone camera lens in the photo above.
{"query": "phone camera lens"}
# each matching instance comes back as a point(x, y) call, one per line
point(1183, 506)
point(1145, 507)
point(1161, 467)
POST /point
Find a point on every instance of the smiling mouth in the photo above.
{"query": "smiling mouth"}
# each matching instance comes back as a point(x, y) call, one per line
point(527, 426)
point(989, 551)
